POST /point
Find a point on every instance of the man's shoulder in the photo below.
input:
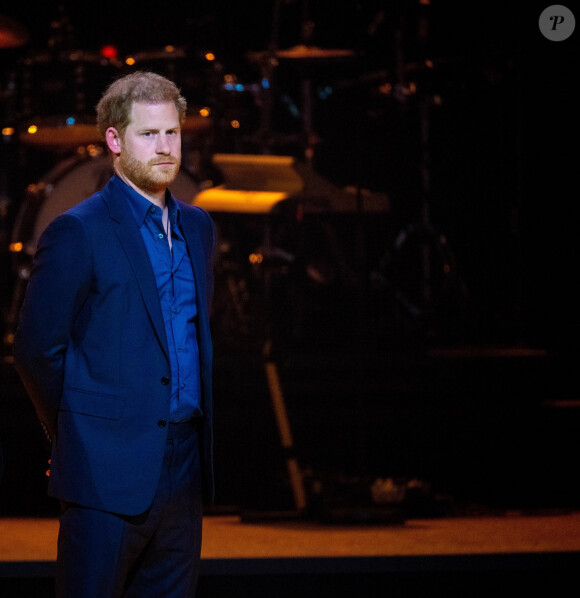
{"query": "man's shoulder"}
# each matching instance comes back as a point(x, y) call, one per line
point(85, 218)
point(187, 207)
point(195, 214)
point(91, 206)
point(97, 209)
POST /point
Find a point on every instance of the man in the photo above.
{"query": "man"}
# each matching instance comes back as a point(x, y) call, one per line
point(114, 348)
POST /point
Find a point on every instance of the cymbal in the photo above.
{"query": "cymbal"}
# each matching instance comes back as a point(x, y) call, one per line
point(196, 123)
point(302, 52)
point(52, 136)
point(12, 34)
point(433, 63)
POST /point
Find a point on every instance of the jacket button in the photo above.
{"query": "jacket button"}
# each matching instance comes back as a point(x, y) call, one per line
point(162, 423)
point(165, 380)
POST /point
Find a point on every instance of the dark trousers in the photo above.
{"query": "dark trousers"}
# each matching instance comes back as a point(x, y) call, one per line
point(153, 555)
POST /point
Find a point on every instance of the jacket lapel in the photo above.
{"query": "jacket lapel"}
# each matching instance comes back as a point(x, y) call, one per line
point(130, 239)
point(195, 250)
point(198, 264)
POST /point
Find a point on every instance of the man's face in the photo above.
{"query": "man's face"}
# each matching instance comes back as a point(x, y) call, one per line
point(151, 147)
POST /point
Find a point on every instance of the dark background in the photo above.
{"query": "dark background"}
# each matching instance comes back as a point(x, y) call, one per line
point(502, 138)
point(502, 154)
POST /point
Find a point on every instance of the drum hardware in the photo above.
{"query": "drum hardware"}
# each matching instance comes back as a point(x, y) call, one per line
point(308, 61)
point(59, 88)
point(59, 132)
point(58, 94)
point(314, 54)
point(420, 266)
point(278, 220)
point(198, 123)
point(283, 245)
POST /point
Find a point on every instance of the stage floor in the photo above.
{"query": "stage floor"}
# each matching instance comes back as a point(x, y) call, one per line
point(497, 434)
point(233, 546)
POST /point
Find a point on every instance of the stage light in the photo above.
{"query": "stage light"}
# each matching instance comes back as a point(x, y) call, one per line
point(235, 124)
point(210, 56)
point(32, 129)
point(16, 247)
point(7, 131)
point(130, 61)
point(94, 150)
point(205, 112)
point(385, 89)
point(325, 92)
point(109, 52)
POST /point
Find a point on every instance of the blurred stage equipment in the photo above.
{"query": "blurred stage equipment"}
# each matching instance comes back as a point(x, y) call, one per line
point(284, 232)
point(420, 265)
point(58, 95)
point(58, 89)
point(12, 33)
point(287, 239)
point(309, 62)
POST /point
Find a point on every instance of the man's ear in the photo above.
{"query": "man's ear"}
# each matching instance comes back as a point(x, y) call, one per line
point(113, 140)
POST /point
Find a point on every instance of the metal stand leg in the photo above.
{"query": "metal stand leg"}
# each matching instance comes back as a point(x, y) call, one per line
point(284, 431)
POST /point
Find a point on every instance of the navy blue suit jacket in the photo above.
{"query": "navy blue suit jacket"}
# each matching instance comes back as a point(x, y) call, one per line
point(92, 352)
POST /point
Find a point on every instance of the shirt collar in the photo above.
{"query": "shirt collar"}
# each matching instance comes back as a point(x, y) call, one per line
point(140, 205)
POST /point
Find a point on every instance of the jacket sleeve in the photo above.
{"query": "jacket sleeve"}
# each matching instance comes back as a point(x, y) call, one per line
point(58, 285)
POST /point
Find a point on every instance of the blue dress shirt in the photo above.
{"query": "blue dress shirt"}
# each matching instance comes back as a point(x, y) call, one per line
point(176, 288)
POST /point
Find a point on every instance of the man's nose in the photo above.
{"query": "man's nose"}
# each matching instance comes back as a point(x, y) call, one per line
point(163, 146)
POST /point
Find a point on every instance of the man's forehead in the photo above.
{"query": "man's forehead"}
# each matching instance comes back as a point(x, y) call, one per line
point(148, 110)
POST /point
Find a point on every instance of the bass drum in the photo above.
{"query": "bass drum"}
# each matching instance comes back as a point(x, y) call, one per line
point(67, 184)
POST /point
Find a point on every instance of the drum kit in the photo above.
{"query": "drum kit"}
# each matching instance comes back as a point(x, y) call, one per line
point(47, 105)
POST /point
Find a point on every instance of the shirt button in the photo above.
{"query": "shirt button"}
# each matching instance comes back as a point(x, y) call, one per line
point(160, 235)
point(162, 423)
point(165, 380)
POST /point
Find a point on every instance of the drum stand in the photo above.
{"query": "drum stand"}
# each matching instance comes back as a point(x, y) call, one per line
point(307, 58)
point(429, 274)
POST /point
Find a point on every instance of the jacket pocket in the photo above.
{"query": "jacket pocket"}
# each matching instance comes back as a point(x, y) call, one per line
point(92, 403)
